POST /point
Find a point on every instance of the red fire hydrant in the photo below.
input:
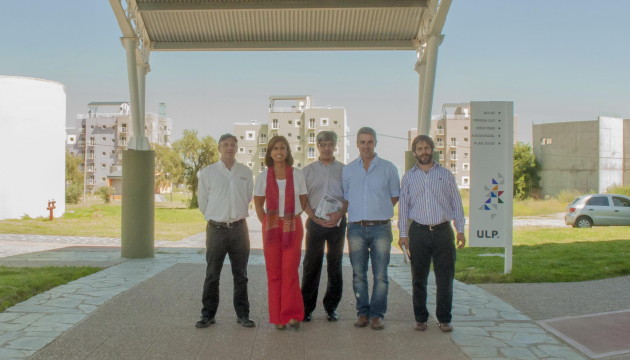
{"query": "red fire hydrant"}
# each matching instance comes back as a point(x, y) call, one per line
point(51, 207)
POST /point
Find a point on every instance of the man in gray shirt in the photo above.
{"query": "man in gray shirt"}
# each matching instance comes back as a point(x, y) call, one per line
point(323, 180)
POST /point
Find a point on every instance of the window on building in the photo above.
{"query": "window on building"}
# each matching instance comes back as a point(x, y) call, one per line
point(311, 138)
point(263, 138)
point(102, 179)
point(299, 165)
point(104, 126)
point(92, 141)
point(311, 123)
point(298, 122)
point(290, 122)
point(250, 164)
point(263, 152)
point(466, 155)
point(123, 128)
point(335, 122)
point(465, 127)
point(323, 122)
point(103, 166)
point(311, 152)
point(465, 180)
point(298, 148)
point(466, 166)
point(453, 141)
point(453, 155)
point(466, 139)
point(104, 153)
point(298, 137)
point(441, 155)
point(440, 130)
point(250, 151)
point(104, 138)
point(241, 150)
point(242, 137)
point(92, 127)
point(91, 154)
point(289, 135)
point(250, 134)
point(274, 123)
point(454, 168)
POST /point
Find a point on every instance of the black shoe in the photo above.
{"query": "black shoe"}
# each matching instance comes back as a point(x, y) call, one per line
point(332, 316)
point(308, 317)
point(204, 322)
point(246, 321)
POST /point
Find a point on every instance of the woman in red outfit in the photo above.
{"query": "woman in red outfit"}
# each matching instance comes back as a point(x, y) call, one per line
point(280, 197)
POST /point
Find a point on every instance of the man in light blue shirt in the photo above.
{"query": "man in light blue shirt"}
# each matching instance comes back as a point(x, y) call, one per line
point(371, 186)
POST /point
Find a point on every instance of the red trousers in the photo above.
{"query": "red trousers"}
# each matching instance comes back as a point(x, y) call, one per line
point(283, 281)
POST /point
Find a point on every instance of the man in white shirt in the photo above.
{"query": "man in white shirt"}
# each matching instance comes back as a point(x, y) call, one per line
point(224, 192)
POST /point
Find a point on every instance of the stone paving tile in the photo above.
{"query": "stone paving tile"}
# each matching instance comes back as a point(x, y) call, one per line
point(486, 327)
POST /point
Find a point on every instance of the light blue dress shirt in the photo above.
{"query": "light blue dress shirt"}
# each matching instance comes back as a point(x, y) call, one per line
point(369, 193)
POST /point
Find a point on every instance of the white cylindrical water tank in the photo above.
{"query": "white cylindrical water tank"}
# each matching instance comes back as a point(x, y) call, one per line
point(32, 144)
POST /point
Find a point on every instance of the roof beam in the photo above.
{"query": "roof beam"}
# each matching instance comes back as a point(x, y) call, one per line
point(284, 45)
point(278, 5)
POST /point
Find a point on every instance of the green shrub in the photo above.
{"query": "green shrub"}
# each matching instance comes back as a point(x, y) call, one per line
point(73, 194)
point(567, 195)
point(621, 190)
point(105, 193)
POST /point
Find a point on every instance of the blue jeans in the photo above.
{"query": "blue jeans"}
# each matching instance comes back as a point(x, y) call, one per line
point(370, 242)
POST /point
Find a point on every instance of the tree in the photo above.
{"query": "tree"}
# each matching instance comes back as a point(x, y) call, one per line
point(74, 179)
point(168, 167)
point(525, 171)
point(195, 154)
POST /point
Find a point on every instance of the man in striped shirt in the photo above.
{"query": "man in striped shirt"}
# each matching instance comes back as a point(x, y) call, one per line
point(430, 198)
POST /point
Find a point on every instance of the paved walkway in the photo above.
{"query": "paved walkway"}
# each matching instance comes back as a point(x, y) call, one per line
point(146, 309)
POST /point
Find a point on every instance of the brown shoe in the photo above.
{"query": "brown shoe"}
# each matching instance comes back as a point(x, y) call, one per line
point(294, 324)
point(445, 327)
point(420, 326)
point(377, 324)
point(362, 321)
point(280, 326)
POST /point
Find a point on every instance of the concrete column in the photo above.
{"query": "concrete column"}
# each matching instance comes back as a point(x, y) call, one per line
point(420, 68)
point(431, 53)
point(138, 182)
point(138, 140)
point(142, 76)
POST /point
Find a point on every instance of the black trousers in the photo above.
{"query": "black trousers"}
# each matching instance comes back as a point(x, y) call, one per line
point(437, 246)
point(222, 241)
point(316, 238)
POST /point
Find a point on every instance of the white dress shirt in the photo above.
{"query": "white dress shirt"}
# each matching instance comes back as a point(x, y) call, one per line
point(223, 194)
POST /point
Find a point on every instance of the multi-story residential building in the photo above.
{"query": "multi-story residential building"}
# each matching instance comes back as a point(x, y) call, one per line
point(295, 118)
point(450, 132)
point(588, 156)
point(100, 137)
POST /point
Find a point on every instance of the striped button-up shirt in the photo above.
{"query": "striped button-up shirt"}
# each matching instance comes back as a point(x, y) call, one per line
point(429, 198)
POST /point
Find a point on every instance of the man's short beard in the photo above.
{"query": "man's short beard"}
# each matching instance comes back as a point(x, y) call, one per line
point(419, 158)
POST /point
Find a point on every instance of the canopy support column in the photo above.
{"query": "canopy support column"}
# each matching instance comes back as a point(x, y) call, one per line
point(427, 81)
point(137, 228)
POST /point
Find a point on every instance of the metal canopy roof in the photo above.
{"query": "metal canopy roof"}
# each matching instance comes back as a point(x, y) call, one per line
point(207, 25)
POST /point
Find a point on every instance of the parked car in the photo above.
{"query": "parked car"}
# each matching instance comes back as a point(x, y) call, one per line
point(598, 209)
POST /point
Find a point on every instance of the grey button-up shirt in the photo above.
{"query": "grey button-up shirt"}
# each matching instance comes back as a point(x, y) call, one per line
point(321, 180)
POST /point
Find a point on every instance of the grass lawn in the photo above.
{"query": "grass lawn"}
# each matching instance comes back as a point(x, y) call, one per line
point(551, 255)
point(100, 220)
point(18, 284)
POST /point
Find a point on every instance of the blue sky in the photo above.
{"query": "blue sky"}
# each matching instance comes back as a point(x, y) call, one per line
point(559, 60)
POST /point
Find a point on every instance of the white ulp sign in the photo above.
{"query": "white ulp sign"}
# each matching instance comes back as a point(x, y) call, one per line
point(491, 176)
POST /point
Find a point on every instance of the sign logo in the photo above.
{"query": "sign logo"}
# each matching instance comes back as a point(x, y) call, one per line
point(493, 195)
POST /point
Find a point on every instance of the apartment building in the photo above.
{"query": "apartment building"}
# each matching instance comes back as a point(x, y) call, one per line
point(295, 118)
point(100, 137)
point(588, 156)
point(450, 132)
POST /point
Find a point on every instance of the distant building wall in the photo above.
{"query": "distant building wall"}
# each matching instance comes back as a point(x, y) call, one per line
point(32, 138)
point(588, 156)
point(610, 152)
